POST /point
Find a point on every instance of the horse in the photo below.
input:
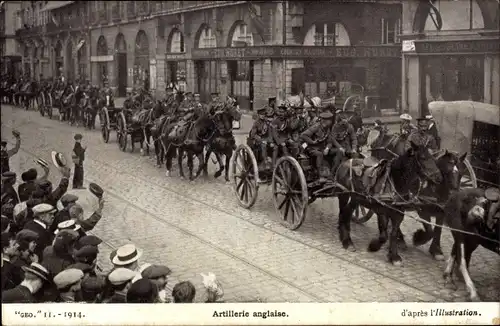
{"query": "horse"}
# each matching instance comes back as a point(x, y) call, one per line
point(364, 184)
point(189, 138)
point(452, 169)
point(163, 124)
point(471, 210)
point(223, 142)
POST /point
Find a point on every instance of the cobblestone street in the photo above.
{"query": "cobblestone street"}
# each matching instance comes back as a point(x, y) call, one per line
point(199, 227)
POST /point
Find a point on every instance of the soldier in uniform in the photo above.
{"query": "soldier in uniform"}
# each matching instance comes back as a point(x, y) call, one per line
point(280, 132)
point(315, 139)
point(6, 154)
point(343, 140)
point(258, 137)
point(421, 136)
point(432, 130)
point(406, 127)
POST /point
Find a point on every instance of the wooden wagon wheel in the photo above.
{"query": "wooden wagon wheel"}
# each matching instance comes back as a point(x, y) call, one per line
point(105, 124)
point(290, 192)
point(122, 131)
point(245, 175)
point(469, 179)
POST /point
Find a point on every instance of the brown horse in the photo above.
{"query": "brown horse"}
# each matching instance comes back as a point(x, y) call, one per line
point(377, 188)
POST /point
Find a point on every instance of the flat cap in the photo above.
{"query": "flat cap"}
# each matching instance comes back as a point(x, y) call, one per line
point(68, 277)
point(81, 266)
point(68, 198)
point(121, 275)
point(405, 116)
point(43, 209)
point(88, 240)
point(95, 189)
point(26, 235)
point(95, 284)
point(8, 175)
point(78, 137)
point(87, 252)
point(156, 271)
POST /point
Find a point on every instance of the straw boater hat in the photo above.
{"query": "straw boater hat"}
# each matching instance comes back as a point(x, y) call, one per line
point(58, 159)
point(37, 270)
point(405, 116)
point(41, 162)
point(126, 254)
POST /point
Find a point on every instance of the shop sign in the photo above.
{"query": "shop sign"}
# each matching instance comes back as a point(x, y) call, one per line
point(460, 46)
point(175, 56)
point(296, 52)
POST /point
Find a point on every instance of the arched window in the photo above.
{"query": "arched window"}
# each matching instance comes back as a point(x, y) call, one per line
point(207, 38)
point(457, 15)
point(177, 42)
point(241, 35)
point(329, 34)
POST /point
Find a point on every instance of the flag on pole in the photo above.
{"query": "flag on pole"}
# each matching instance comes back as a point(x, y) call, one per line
point(257, 22)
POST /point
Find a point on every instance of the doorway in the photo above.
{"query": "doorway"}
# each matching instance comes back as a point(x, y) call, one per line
point(121, 66)
point(206, 72)
point(241, 74)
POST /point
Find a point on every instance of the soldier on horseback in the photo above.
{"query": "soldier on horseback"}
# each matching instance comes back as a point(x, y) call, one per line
point(315, 140)
point(343, 140)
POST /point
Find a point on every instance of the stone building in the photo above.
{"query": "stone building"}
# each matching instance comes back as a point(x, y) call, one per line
point(451, 51)
point(9, 48)
point(252, 50)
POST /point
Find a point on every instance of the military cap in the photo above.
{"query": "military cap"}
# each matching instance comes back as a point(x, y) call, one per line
point(121, 275)
point(68, 277)
point(26, 235)
point(8, 175)
point(67, 225)
point(87, 253)
point(78, 137)
point(326, 115)
point(262, 110)
point(43, 209)
point(156, 271)
point(68, 199)
point(95, 189)
point(86, 268)
point(405, 116)
point(94, 284)
point(88, 240)
point(29, 175)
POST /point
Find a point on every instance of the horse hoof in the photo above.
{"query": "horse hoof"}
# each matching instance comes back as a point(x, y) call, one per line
point(397, 263)
point(167, 173)
point(438, 257)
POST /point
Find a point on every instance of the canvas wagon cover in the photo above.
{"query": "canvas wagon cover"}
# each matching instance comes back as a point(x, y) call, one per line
point(455, 121)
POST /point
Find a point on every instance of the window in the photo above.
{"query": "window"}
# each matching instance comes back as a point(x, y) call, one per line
point(456, 15)
point(240, 76)
point(177, 42)
point(242, 35)
point(207, 39)
point(391, 29)
point(331, 34)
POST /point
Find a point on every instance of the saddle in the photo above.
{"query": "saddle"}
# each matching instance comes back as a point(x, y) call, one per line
point(180, 131)
point(371, 171)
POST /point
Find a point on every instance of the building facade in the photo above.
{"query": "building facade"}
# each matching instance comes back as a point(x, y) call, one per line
point(451, 52)
point(9, 49)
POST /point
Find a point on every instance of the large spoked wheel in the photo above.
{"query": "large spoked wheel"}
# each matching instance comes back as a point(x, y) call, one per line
point(362, 214)
point(122, 131)
point(469, 179)
point(105, 124)
point(290, 192)
point(245, 175)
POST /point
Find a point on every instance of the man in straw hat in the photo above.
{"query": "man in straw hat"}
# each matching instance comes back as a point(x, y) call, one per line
point(35, 277)
point(6, 154)
point(314, 142)
point(79, 151)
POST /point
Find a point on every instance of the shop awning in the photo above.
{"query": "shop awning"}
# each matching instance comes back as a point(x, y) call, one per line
point(51, 5)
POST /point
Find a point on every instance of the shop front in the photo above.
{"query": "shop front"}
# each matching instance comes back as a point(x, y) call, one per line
point(175, 71)
point(207, 72)
point(459, 70)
